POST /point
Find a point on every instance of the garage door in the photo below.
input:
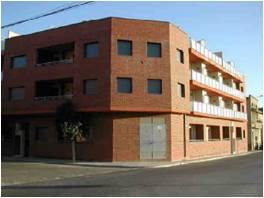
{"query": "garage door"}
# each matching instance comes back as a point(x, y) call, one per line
point(152, 138)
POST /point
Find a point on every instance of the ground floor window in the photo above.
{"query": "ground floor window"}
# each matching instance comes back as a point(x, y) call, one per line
point(41, 133)
point(213, 132)
point(196, 132)
point(226, 133)
point(238, 133)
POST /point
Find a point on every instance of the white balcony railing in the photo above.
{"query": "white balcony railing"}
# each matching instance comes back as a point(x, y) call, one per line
point(211, 56)
point(206, 80)
point(217, 111)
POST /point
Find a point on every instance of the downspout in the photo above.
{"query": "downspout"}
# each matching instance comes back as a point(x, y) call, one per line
point(184, 135)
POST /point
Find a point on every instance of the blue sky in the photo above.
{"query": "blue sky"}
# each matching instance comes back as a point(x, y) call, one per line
point(232, 27)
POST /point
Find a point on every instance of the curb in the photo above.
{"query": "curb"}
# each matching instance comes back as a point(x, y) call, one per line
point(204, 160)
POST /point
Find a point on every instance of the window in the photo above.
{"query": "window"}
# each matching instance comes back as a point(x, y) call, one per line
point(154, 49)
point(124, 85)
point(91, 50)
point(154, 86)
point(18, 61)
point(181, 90)
point(226, 134)
point(196, 132)
point(16, 93)
point(242, 89)
point(124, 47)
point(62, 53)
point(180, 56)
point(244, 134)
point(213, 132)
point(243, 109)
point(90, 86)
point(41, 133)
point(238, 133)
point(56, 89)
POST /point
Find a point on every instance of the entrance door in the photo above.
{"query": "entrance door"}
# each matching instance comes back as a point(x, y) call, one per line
point(25, 128)
point(233, 141)
point(152, 138)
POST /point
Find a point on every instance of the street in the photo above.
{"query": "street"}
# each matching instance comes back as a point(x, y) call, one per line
point(237, 176)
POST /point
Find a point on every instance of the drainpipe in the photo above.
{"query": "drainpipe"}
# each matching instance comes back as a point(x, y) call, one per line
point(184, 135)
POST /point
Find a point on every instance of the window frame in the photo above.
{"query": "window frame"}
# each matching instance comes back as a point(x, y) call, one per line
point(91, 43)
point(18, 56)
point(37, 138)
point(97, 86)
point(124, 78)
point(154, 43)
point(10, 95)
point(119, 53)
point(148, 86)
point(181, 53)
point(182, 90)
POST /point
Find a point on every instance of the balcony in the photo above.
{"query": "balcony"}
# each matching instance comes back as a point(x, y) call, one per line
point(226, 66)
point(217, 111)
point(210, 82)
point(49, 90)
point(57, 54)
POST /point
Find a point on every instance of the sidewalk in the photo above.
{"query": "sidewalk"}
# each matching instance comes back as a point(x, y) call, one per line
point(140, 164)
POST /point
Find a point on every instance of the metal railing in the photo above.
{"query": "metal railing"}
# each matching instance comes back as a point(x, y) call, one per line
point(217, 111)
point(211, 56)
point(206, 80)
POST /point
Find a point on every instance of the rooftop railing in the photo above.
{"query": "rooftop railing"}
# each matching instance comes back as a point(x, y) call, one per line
point(213, 57)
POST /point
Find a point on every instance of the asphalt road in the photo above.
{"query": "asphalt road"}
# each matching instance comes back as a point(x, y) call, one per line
point(238, 176)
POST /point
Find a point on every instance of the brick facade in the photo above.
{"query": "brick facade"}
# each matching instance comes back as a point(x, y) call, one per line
point(115, 124)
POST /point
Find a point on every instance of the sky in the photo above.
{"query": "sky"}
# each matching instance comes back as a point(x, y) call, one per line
point(232, 27)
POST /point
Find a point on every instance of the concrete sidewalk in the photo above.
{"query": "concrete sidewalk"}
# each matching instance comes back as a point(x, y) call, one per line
point(130, 165)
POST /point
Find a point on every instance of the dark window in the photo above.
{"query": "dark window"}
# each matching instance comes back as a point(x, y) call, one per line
point(242, 89)
point(238, 133)
point(91, 49)
point(180, 56)
point(154, 49)
point(90, 86)
point(213, 133)
point(154, 86)
point(16, 93)
point(63, 53)
point(196, 132)
point(226, 134)
point(244, 134)
point(124, 47)
point(41, 133)
point(124, 85)
point(243, 109)
point(181, 90)
point(18, 61)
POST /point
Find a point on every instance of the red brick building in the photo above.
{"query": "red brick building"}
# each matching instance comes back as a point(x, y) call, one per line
point(153, 93)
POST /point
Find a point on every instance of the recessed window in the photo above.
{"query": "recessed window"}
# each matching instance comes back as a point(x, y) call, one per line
point(124, 47)
point(124, 85)
point(181, 90)
point(196, 132)
point(154, 86)
point(18, 61)
point(244, 133)
point(154, 49)
point(41, 133)
point(91, 50)
point(179, 56)
point(16, 93)
point(226, 134)
point(238, 133)
point(242, 89)
point(213, 132)
point(90, 86)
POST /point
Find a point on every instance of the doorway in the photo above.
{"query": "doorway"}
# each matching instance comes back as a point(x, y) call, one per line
point(152, 138)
